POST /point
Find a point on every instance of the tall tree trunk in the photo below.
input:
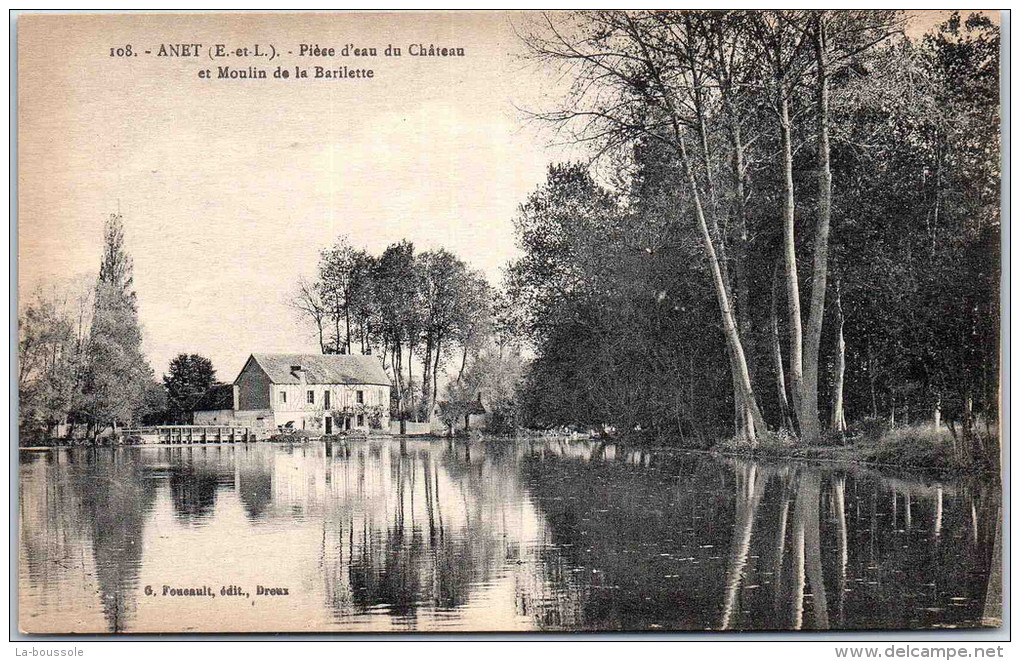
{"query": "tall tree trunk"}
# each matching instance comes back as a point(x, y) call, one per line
point(807, 430)
point(742, 418)
point(838, 415)
point(347, 323)
point(743, 301)
point(410, 379)
point(435, 377)
point(463, 361)
point(718, 235)
point(742, 414)
point(813, 338)
point(786, 421)
point(740, 429)
point(398, 378)
point(720, 276)
point(426, 378)
point(723, 297)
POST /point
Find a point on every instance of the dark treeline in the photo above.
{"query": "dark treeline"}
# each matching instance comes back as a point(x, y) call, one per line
point(800, 229)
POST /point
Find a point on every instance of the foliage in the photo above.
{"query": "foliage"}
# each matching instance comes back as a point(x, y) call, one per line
point(493, 378)
point(152, 408)
point(116, 373)
point(48, 356)
point(188, 378)
point(615, 324)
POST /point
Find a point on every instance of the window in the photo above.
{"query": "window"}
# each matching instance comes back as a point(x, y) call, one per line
point(325, 400)
point(283, 396)
point(361, 397)
point(361, 419)
point(311, 396)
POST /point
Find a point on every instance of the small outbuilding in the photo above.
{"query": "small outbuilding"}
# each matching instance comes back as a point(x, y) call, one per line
point(467, 415)
point(215, 407)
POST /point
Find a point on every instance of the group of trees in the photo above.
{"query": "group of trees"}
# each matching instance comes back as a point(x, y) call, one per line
point(81, 370)
point(804, 201)
point(426, 308)
point(80, 365)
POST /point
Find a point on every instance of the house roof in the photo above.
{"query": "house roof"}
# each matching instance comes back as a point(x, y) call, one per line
point(333, 368)
point(219, 397)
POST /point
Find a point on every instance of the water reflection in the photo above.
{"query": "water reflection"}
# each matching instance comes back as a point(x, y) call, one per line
point(552, 534)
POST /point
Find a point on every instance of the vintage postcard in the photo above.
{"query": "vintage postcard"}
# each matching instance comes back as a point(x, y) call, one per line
point(496, 321)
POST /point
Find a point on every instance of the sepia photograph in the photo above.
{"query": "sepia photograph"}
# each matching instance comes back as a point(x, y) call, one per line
point(507, 321)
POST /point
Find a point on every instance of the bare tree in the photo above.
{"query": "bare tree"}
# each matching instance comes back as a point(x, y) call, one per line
point(308, 302)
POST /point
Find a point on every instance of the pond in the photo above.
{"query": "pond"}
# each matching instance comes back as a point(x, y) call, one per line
point(531, 535)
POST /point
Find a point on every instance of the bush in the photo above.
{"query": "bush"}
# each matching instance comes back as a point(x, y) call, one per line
point(867, 430)
point(131, 439)
point(773, 442)
point(295, 436)
point(920, 446)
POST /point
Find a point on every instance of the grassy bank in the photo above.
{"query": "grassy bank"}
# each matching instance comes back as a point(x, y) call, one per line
point(916, 447)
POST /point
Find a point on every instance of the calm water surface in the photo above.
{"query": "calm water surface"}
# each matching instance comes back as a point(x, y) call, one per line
point(498, 535)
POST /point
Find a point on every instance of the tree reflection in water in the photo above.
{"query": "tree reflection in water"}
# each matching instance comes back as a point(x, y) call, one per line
point(535, 534)
point(414, 527)
point(114, 496)
point(759, 545)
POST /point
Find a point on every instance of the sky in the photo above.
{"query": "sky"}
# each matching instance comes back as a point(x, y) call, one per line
point(229, 188)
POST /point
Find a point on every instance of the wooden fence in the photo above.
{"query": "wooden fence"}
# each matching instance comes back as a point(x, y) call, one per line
point(190, 434)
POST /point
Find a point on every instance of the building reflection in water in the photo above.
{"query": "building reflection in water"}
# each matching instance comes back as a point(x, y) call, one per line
point(549, 534)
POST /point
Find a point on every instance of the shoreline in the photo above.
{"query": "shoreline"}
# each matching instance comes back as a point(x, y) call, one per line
point(850, 456)
point(846, 456)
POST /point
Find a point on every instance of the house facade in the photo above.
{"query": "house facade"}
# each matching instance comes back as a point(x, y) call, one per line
point(324, 394)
